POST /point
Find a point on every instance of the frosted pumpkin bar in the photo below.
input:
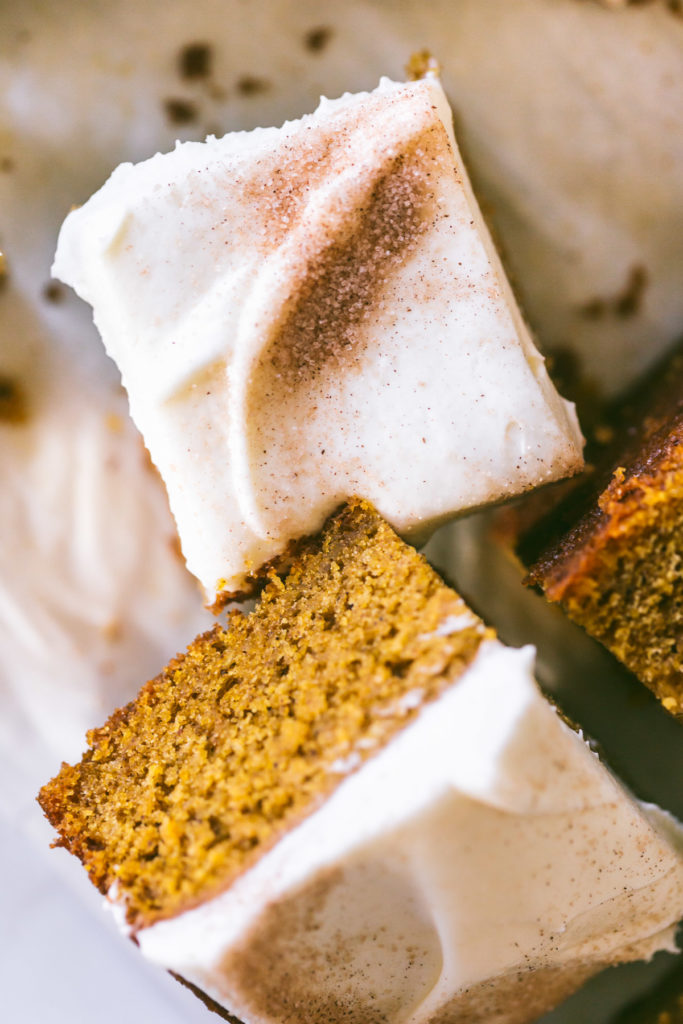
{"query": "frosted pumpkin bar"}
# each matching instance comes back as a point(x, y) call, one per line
point(353, 804)
point(307, 313)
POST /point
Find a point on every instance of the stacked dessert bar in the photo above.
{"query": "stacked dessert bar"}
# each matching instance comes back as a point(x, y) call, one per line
point(351, 803)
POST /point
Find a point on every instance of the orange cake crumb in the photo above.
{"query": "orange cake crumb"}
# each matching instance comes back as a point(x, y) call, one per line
point(249, 730)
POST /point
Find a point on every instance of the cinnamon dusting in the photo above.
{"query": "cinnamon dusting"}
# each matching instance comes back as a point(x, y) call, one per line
point(336, 290)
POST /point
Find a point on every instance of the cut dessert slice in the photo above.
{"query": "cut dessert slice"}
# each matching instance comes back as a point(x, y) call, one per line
point(307, 313)
point(612, 553)
point(353, 804)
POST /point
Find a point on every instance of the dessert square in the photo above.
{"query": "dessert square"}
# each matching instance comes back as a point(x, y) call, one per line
point(306, 313)
point(354, 804)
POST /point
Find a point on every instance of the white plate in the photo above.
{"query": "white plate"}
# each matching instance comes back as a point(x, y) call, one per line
point(570, 116)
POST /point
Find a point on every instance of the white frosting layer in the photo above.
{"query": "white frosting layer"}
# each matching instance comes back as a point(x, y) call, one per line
point(307, 313)
point(485, 848)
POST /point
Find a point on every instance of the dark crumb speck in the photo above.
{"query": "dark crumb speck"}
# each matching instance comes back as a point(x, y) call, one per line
point(628, 303)
point(249, 85)
point(316, 39)
point(180, 111)
point(13, 404)
point(194, 60)
point(54, 292)
point(594, 309)
point(6, 164)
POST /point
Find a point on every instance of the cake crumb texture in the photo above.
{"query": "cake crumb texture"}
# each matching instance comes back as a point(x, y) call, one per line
point(249, 730)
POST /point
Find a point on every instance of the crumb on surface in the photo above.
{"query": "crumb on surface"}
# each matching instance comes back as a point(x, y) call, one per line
point(421, 64)
point(250, 85)
point(112, 631)
point(54, 292)
point(625, 303)
point(629, 300)
point(593, 309)
point(316, 39)
point(195, 60)
point(114, 422)
point(180, 111)
point(13, 401)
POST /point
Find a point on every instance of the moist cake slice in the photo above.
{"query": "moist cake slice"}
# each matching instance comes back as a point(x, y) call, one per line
point(612, 553)
point(311, 312)
point(353, 804)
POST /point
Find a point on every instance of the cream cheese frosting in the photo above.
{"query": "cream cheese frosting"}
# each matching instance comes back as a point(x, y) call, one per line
point(308, 313)
point(484, 862)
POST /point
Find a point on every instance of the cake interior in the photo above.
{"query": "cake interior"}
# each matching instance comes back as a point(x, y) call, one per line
point(248, 731)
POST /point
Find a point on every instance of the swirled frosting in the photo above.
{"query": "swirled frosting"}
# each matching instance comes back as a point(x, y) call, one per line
point(312, 312)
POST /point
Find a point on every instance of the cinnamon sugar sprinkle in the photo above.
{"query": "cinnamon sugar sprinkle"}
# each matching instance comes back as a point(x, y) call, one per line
point(337, 290)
